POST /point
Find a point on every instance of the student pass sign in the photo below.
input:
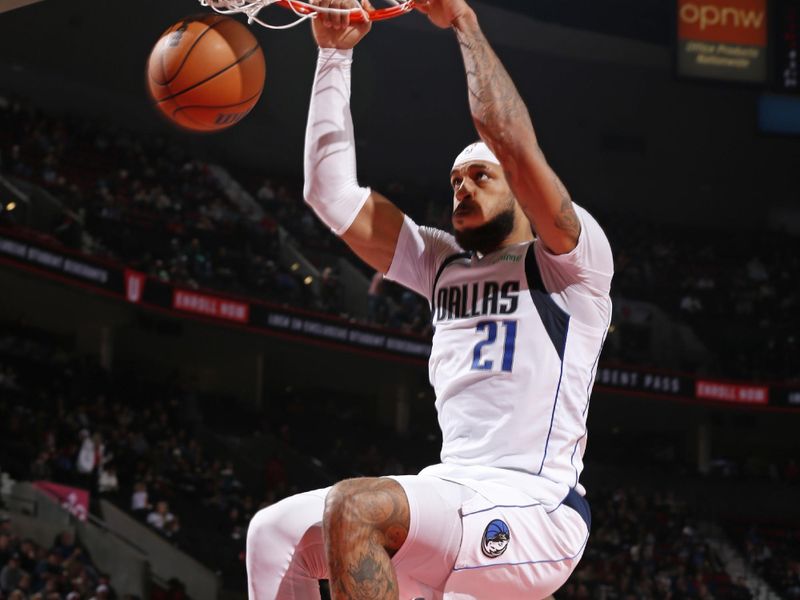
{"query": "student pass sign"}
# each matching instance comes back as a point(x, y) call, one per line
point(723, 39)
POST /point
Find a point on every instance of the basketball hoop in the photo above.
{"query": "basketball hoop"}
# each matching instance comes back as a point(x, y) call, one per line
point(305, 11)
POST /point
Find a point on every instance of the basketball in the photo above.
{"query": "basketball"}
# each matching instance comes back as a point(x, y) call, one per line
point(206, 73)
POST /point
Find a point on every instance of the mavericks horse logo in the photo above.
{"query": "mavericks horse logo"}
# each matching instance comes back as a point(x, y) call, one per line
point(495, 538)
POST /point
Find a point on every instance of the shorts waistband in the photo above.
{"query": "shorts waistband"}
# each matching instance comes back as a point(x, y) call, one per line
point(580, 505)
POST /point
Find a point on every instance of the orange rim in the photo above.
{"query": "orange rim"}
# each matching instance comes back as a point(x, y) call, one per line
point(379, 14)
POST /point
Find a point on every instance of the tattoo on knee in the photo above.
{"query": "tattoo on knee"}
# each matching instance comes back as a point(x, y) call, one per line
point(379, 505)
point(368, 524)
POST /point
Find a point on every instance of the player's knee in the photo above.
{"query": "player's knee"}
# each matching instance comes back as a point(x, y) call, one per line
point(368, 503)
point(341, 503)
point(263, 526)
point(260, 562)
point(284, 522)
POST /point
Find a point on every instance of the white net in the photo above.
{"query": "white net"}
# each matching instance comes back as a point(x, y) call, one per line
point(303, 10)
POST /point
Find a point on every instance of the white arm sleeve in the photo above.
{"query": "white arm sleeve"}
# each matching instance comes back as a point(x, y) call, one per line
point(419, 253)
point(331, 183)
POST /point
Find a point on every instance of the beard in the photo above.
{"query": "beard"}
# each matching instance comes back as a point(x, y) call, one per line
point(487, 237)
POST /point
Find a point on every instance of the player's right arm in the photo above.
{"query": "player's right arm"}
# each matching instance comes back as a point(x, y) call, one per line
point(367, 221)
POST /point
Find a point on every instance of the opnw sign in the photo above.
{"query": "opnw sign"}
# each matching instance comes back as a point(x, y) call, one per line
point(732, 392)
point(723, 39)
point(732, 21)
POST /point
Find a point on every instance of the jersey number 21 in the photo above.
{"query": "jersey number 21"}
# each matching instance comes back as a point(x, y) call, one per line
point(490, 328)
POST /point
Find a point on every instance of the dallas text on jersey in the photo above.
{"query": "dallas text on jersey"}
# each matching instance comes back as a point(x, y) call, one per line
point(465, 301)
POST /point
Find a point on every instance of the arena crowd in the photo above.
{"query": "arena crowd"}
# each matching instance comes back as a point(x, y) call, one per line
point(148, 204)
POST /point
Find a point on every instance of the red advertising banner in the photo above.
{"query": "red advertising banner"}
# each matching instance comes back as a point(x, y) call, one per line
point(74, 500)
point(728, 21)
point(731, 392)
point(211, 306)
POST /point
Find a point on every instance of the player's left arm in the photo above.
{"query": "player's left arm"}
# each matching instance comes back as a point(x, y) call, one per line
point(503, 122)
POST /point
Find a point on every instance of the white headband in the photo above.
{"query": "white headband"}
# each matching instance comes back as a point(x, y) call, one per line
point(476, 151)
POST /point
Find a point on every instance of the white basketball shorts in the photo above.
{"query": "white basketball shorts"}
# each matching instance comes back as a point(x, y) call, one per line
point(486, 541)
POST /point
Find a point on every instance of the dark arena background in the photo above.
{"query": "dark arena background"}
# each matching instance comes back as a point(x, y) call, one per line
point(182, 342)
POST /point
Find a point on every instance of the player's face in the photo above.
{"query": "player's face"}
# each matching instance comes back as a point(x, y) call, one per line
point(480, 193)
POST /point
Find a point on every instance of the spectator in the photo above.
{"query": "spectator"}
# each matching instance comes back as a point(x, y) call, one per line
point(101, 592)
point(161, 517)
point(66, 546)
point(140, 504)
point(172, 528)
point(11, 574)
point(24, 584)
point(376, 302)
point(50, 568)
point(28, 558)
point(6, 550)
point(40, 469)
point(87, 456)
point(331, 292)
point(108, 482)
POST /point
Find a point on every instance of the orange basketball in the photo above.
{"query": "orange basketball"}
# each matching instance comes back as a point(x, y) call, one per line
point(206, 72)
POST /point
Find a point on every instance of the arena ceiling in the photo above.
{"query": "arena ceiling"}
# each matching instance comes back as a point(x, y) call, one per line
point(90, 55)
point(597, 75)
point(644, 20)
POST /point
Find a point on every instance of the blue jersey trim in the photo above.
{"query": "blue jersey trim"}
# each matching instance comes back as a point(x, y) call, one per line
point(594, 368)
point(554, 318)
point(577, 503)
point(553, 413)
point(447, 261)
point(592, 379)
point(572, 458)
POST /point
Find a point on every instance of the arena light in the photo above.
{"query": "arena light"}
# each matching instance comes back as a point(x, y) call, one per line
point(295, 266)
point(308, 280)
point(11, 206)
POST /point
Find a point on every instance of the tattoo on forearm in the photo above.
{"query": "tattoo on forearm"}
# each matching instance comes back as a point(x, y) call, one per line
point(499, 112)
point(566, 219)
point(494, 101)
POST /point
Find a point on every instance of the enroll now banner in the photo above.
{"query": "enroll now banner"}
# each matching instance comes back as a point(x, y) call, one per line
point(723, 39)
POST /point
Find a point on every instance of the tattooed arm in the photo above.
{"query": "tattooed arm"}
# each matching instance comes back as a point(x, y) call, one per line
point(503, 122)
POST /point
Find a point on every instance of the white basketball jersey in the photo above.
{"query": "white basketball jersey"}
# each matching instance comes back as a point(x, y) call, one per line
point(517, 338)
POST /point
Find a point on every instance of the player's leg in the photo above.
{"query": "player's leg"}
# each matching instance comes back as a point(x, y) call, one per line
point(380, 513)
point(366, 522)
point(285, 551)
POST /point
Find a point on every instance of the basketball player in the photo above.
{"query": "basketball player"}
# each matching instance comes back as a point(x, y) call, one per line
point(519, 324)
